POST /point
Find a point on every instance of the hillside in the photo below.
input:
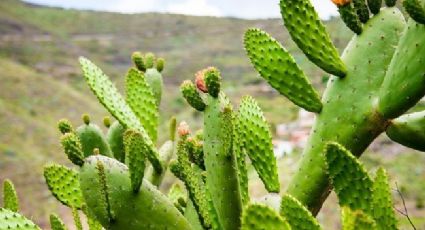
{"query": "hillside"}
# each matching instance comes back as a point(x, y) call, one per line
point(40, 79)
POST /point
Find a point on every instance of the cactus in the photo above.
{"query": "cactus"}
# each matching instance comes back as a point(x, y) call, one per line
point(117, 175)
point(379, 76)
point(10, 198)
point(364, 201)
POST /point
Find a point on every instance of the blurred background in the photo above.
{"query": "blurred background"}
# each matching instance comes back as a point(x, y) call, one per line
point(40, 82)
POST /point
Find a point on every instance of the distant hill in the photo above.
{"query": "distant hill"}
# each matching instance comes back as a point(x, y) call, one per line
point(40, 80)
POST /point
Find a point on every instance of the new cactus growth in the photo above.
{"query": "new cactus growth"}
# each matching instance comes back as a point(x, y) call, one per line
point(379, 76)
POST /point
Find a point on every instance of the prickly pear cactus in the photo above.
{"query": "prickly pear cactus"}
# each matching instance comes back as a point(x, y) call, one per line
point(379, 76)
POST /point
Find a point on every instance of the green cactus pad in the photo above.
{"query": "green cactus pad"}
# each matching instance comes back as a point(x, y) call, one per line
point(404, 83)
point(374, 6)
point(64, 184)
point(213, 81)
point(149, 60)
point(160, 62)
point(311, 36)
point(10, 197)
point(409, 130)
point(154, 80)
point(196, 152)
point(297, 215)
point(356, 220)
point(115, 138)
point(350, 18)
point(351, 182)
point(138, 61)
point(390, 3)
point(91, 137)
point(415, 9)
point(135, 150)
point(149, 207)
point(262, 217)
point(56, 223)
point(361, 9)
point(383, 211)
point(65, 126)
point(14, 221)
point(109, 96)
point(72, 146)
point(278, 67)
point(220, 162)
point(141, 99)
point(192, 96)
point(256, 138)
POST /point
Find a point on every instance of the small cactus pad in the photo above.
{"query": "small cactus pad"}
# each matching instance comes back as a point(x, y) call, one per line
point(160, 62)
point(149, 60)
point(374, 6)
point(65, 126)
point(64, 185)
point(154, 79)
point(404, 83)
point(10, 220)
point(72, 147)
point(91, 138)
point(106, 185)
point(311, 36)
point(297, 215)
point(56, 223)
point(350, 180)
point(138, 61)
point(361, 9)
point(10, 198)
point(262, 217)
point(115, 138)
point(350, 18)
point(280, 70)
point(415, 9)
point(135, 150)
point(142, 101)
point(409, 130)
point(356, 220)
point(256, 139)
point(390, 3)
point(212, 81)
point(383, 211)
point(109, 96)
point(192, 96)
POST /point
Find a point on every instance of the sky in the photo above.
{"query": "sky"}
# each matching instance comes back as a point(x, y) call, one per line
point(249, 9)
